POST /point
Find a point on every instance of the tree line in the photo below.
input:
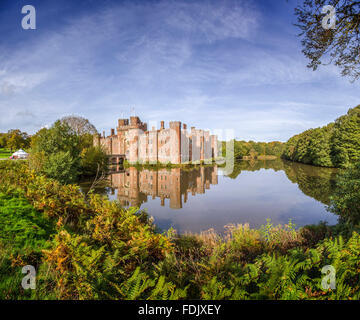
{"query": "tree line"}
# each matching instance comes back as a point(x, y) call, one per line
point(334, 145)
point(254, 150)
point(63, 152)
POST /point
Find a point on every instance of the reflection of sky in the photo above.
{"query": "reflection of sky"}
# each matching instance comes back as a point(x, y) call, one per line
point(250, 198)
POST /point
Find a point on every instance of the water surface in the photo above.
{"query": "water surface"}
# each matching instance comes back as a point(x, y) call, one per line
point(202, 198)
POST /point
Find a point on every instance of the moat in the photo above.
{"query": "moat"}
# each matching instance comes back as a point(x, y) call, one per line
point(201, 198)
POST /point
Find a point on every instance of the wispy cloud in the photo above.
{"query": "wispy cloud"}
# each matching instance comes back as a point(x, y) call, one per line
point(204, 62)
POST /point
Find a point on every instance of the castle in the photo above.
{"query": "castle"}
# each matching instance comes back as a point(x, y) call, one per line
point(135, 143)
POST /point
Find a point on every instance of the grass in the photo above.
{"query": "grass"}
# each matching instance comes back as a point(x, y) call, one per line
point(24, 233)
point(22, 225)
point(158, 165)
point(4, 153)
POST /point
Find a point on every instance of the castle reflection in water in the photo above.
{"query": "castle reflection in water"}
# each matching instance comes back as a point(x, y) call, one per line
point(133, 186)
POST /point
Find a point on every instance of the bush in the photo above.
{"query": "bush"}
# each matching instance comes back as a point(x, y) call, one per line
point(62, 167)
point(346, 199)
point(93, 160)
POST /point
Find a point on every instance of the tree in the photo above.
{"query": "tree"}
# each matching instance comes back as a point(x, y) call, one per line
point(15, 139)
point(339, 46)
point(65, 154)
point(62, 167)
point(337, 144)
point(83, 128)
point(58, 149)
point(346, 138)
point(92, 160)
point(60, 137)
point(79, 125)
point(3, 140)
point(346, 200)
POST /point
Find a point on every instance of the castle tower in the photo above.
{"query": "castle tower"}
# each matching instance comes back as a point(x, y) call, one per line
point(175, 142)
point(185, 145)
point(214, 146)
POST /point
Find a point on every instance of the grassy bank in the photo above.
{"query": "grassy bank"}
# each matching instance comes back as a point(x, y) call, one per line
point(159, 165)
point(24, 233)
point(4, 153)
point(91, 248)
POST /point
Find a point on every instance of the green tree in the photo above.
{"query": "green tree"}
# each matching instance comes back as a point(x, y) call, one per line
point(340, 45)
point(3, 140)
point(93, 159)
point(346, 199)
point(337, 144)
point(59, 150)
point(58, 138)
point(16, 139)
point(320, 147)
point(346, 138)
point(65, 154)
point(62, 167)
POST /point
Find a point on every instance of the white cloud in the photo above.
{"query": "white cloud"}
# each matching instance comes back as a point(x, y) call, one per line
point(212, 20)
point(200, 62)
point(20, 82)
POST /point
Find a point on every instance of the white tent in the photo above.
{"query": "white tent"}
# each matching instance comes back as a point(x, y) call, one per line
point(20, 154)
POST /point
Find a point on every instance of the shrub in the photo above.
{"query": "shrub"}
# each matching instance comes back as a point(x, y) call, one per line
point(346, 200)
point(93, 160)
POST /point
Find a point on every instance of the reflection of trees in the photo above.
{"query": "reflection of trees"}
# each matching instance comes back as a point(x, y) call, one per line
point(255, 165)
point(315, 182)
point(102, 188)
point(318, 183)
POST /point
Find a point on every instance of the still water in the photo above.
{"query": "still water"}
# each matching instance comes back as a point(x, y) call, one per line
point(202, 198)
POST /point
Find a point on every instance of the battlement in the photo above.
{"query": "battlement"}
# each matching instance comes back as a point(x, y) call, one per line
point(134, 123)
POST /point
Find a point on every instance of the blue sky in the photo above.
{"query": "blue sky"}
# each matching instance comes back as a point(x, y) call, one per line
point(211, 64)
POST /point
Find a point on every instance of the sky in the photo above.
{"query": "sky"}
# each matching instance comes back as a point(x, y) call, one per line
point(212, 64)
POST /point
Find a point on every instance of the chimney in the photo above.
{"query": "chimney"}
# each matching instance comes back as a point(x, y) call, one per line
point(184, 126)
point(112, 132)
point(162, 125)
point(104, 134)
